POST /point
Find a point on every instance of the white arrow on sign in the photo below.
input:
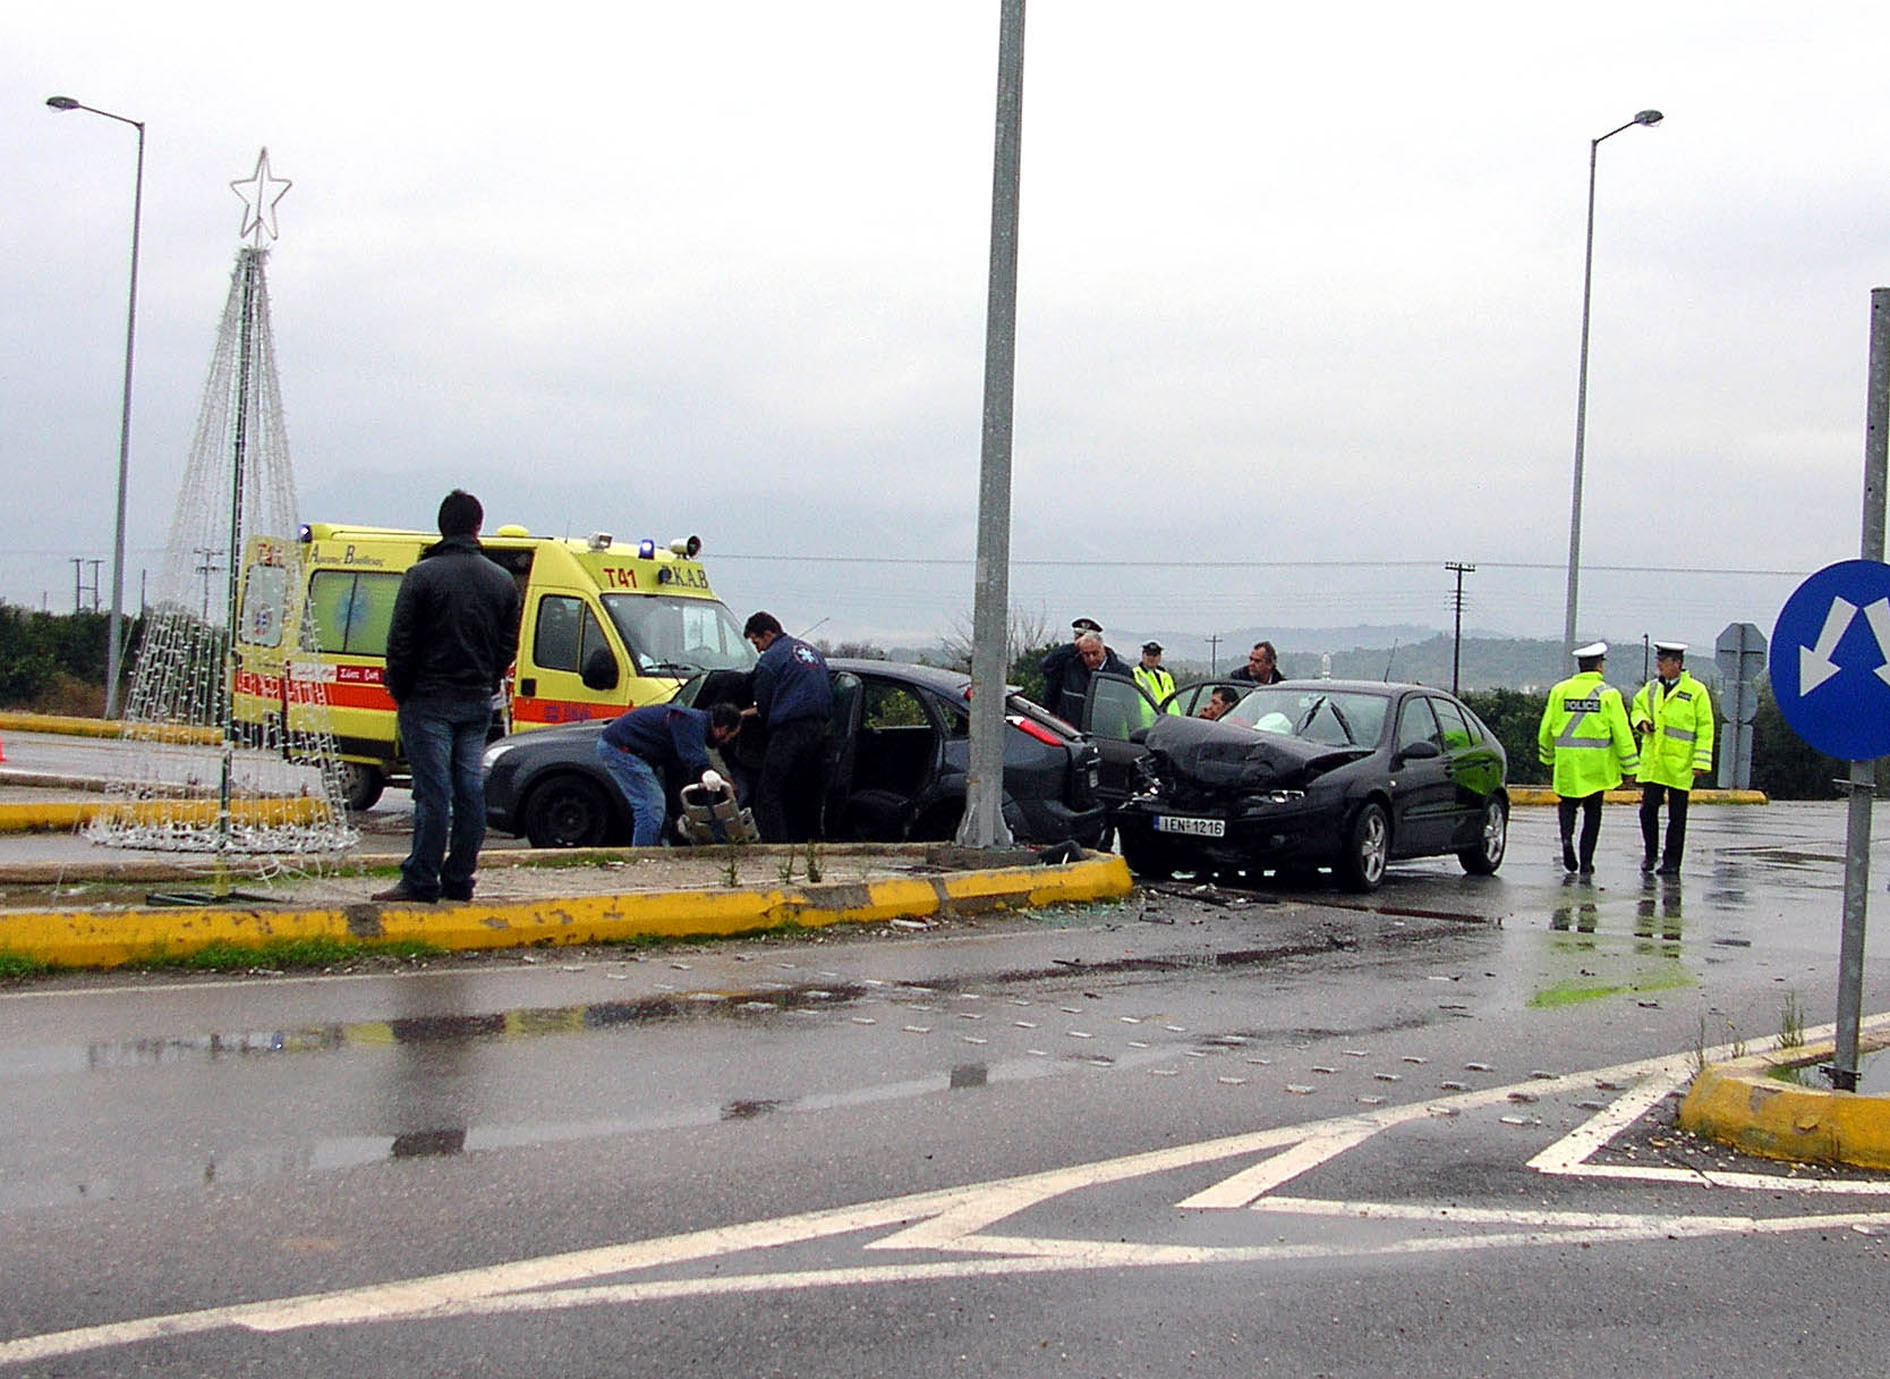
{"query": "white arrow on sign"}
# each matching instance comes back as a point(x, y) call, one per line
point(1815, 665)
point(1879, 615)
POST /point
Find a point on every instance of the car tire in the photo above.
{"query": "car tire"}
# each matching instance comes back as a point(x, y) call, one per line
point(567, 811)
point(361, 786)
point(1146, 855)
point(1367, 848)
point(1493, 834)
point(939, 824)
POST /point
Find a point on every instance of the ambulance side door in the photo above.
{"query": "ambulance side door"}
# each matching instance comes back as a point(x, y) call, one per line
point(561, 631)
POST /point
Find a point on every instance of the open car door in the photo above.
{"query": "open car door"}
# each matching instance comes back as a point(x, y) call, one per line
point(836, 773)
point(1116, 714)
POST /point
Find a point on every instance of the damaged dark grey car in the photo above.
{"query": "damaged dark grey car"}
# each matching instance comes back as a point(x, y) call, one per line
point(1319, 773)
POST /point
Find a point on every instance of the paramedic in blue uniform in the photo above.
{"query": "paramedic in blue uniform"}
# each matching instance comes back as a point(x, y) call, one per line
point(641, 747)
point(794, 698)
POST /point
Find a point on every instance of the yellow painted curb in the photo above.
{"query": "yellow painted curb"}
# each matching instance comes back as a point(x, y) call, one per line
point(67, 816)
point(1541, 794)
point(1739, 1104)
point(100, 939)
point(11, 721)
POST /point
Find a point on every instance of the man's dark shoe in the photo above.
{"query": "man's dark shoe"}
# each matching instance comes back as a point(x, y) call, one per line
point(460, 893)
point(400, 892)
point(1568, 857)
point(1667, 869)
point(1647, 864)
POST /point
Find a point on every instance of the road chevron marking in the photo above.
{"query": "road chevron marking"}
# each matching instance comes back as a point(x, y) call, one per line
point(957, 1220)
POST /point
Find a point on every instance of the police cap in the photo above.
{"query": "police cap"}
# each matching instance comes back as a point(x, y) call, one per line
point(1152, 648)
point(1676, 650)
point(1085, 625)
point(1591, 651)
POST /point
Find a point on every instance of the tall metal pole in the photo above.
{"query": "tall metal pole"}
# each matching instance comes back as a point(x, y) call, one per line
point(1646, 117)
point(114, 645)
point(983, 825)
point(1850, 994)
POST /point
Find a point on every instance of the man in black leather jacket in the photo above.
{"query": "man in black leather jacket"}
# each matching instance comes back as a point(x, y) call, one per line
point(454, 633)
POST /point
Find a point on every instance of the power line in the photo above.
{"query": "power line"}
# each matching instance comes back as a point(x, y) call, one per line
point(1113, 563)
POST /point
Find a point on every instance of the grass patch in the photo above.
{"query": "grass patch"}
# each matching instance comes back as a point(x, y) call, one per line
point(14, 965)
point(304, 952)
point(1564, 994)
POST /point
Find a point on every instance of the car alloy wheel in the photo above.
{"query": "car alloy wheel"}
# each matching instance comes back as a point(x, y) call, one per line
point(1487, 856)
point(1368, 845)
point(568, 812)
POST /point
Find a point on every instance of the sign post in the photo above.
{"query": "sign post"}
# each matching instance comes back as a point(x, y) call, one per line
point(1831, 677)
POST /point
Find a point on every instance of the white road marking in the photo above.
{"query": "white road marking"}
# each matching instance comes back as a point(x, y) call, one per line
point(1268, 1174)
point(957, 1219)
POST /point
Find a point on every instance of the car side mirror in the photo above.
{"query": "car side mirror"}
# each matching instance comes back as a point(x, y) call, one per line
point(1421, 751)
point(600, 670)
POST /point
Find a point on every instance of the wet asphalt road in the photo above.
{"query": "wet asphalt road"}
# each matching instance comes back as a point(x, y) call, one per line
point(1215, 1133)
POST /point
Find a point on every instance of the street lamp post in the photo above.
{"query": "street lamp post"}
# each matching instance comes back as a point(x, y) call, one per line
point(1646, 117)
point(114, 646)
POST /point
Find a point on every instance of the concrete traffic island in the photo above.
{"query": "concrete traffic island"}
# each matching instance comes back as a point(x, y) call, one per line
point(99, 917)
point(1755, 1105)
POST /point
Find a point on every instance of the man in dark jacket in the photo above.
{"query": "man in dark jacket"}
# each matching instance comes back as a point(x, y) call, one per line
point(661, 738)
point(1064, 696)
point(454, 633)
point(794, 697)
point(1262, 668)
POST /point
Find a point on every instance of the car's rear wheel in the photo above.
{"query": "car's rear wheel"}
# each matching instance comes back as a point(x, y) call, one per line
point(1367, 848)
point(567, 812)
point(361, 785)
point(1492, 842)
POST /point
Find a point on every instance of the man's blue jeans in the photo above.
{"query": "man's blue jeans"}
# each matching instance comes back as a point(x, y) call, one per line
point(637, 780)
point(444, 741)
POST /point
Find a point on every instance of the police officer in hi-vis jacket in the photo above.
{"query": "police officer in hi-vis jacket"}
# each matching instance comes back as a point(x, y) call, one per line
point(1584, 736)
point(1674, 720)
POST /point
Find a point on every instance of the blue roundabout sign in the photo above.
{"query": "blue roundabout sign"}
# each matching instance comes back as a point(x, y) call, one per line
point(1831, 660)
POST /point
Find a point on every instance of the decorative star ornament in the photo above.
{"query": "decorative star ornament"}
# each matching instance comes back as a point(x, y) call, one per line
point(260, 192)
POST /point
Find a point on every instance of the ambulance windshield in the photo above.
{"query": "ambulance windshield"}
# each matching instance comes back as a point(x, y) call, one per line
point(667, 635)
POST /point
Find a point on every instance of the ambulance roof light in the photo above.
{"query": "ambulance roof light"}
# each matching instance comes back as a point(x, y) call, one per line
point(304, 535)
point(646, 549)
point(687, 546)
point(600, 541)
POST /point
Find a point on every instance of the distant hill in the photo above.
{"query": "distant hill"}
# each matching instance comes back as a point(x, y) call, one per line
point(1366, 652)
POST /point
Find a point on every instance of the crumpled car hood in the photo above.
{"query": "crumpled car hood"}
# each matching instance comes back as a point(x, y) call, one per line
point(1194, 754)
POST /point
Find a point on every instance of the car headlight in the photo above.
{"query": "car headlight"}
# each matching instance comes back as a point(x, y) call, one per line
point(1278, 797)
point(494, 752)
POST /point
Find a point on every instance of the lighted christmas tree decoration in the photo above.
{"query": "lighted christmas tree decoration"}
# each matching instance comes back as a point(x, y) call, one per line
point(235, 750)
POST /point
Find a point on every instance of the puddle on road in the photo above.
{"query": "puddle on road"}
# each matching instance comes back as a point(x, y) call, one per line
point(435, 1036)
point(1873, 1073)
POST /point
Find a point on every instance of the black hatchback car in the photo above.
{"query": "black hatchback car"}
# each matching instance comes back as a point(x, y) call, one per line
point(898, 748)
point(1319, 773)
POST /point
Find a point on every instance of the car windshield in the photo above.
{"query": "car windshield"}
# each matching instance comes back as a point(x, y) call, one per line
point(1335, 718)
point(668, 635)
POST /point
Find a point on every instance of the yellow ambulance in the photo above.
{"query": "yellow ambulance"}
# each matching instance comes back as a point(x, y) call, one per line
point(605, 626)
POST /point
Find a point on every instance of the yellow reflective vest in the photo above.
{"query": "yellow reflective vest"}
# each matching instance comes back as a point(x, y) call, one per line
point(1158, 682)
point(1585, 736)
point(1676, 729)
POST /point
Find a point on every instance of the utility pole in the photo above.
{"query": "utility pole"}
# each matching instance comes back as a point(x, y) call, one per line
point(1456, 648)
point(1214, 655)
point(206, 567)
point(983, 824)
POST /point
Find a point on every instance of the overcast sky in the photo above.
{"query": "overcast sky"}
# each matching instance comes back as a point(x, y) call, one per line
point(1299, 302)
